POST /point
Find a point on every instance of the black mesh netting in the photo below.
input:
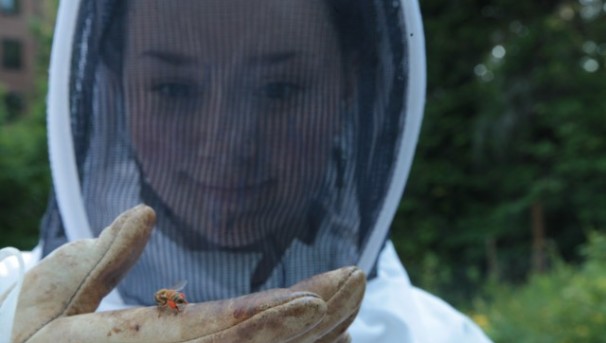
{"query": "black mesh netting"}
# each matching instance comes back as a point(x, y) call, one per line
point(263, 133)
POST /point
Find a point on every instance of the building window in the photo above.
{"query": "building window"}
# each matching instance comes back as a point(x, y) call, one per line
point(9, 6)
point(12, 54)
point(14, 105)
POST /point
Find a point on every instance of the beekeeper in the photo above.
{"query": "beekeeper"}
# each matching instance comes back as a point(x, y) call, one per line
point(270, 141)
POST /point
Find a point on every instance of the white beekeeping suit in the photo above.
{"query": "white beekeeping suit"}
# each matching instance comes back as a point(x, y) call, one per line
point(273, 139)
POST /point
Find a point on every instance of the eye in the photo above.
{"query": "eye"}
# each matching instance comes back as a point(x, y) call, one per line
point(175, 89)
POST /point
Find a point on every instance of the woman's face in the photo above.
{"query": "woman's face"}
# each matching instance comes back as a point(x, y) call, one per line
point(233, 109)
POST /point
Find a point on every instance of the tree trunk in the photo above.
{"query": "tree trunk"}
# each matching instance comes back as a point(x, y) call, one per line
point(492, 259)
point(538, 237)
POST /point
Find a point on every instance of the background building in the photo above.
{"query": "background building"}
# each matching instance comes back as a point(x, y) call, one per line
point(17, 51)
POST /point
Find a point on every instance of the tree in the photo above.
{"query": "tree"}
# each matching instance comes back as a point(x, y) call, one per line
point(511, 152)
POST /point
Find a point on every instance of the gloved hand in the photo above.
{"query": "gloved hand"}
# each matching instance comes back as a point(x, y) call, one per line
point(59, 297)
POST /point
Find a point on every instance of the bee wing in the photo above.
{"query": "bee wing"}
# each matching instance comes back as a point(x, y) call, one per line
point(179, 286)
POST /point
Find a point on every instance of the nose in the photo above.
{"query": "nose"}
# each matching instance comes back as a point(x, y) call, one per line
point(228, 130)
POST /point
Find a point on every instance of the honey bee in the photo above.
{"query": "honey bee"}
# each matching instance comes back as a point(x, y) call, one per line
point(171, 297)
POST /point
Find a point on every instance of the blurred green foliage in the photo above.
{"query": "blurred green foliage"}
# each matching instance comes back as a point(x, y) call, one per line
point(568, 304)
point(24, 170)
point(514, 131)
point(23, 181)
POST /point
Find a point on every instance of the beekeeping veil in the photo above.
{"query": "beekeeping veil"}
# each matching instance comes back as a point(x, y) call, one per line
point(272, 137)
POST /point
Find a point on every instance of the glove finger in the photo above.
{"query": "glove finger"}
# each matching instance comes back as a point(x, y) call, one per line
point(339, 333)
point(342, 290)
point(75, 277)
point(344, 338)
point(271, 316)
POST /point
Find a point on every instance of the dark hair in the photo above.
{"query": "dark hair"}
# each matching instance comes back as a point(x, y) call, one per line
point(113, 34)
point(354, 22)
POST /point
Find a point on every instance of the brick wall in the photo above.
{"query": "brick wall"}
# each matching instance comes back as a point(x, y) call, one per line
point(17, 45)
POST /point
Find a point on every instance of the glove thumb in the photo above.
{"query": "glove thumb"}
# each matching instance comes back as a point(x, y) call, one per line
point(75, 278)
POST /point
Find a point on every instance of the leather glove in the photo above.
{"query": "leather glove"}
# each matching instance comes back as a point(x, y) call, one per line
point(59, 297)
